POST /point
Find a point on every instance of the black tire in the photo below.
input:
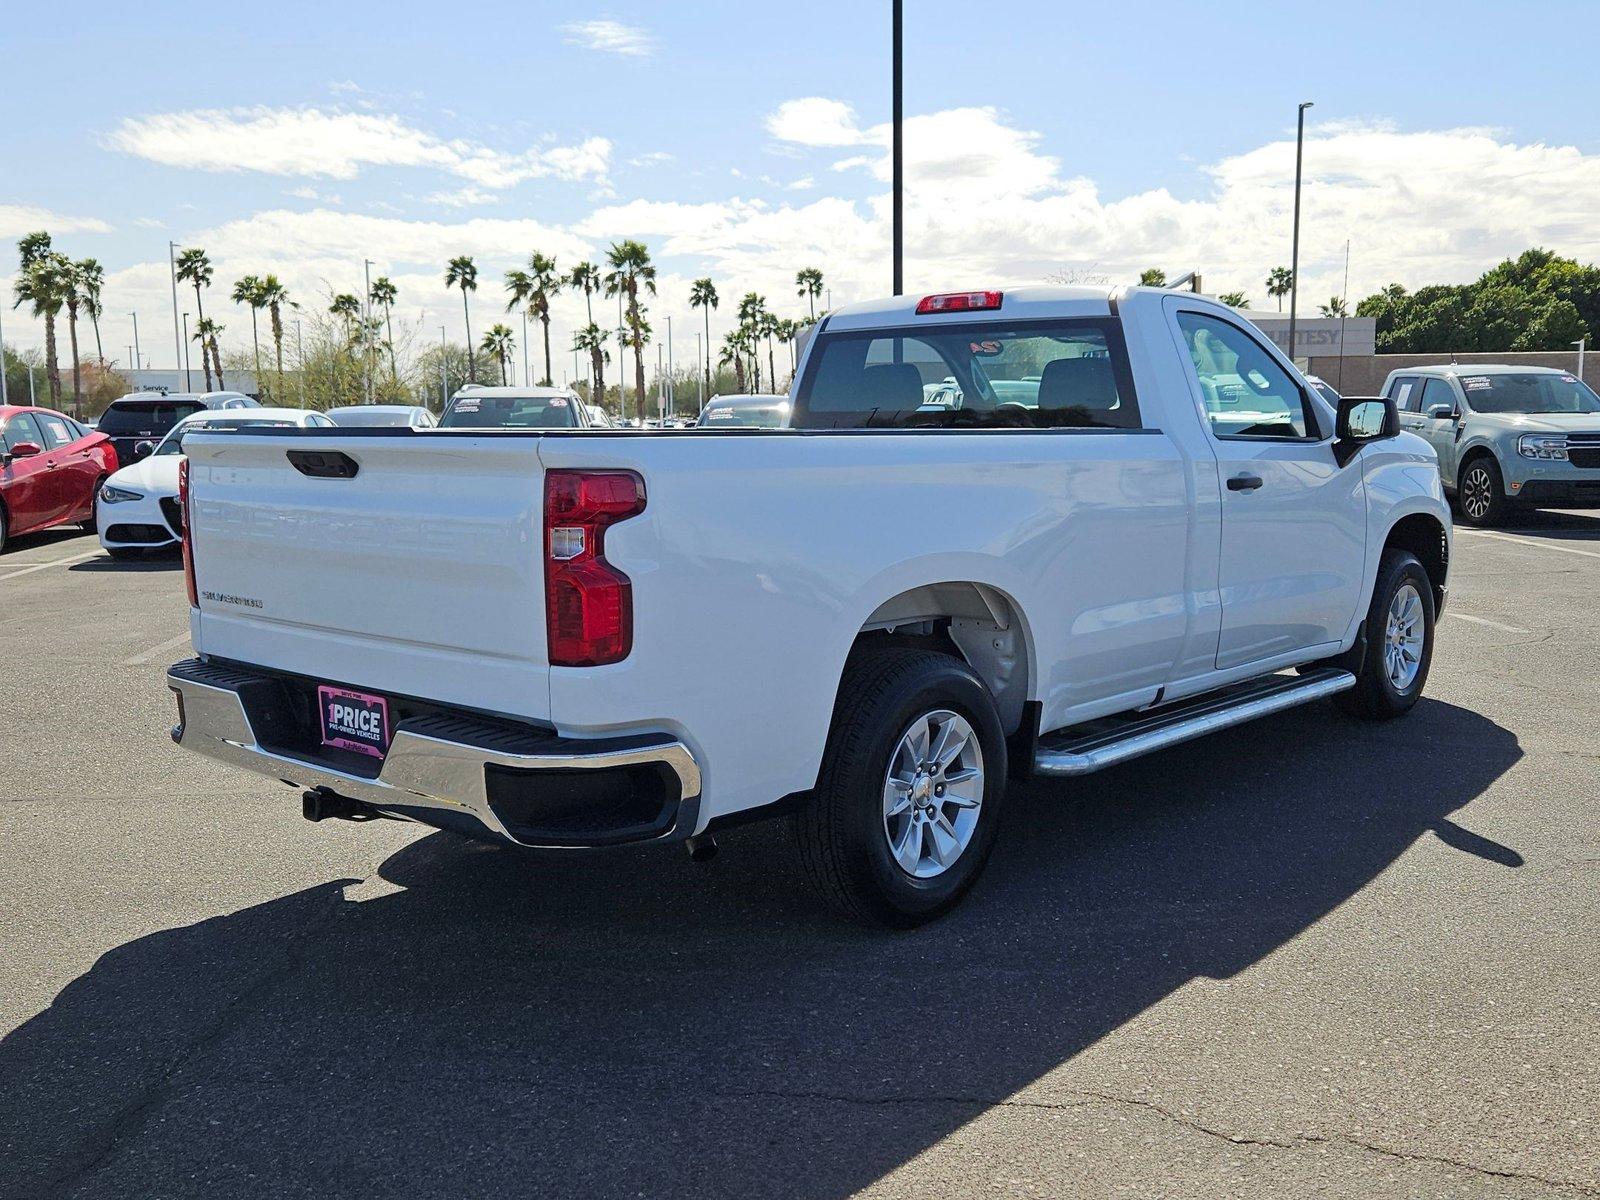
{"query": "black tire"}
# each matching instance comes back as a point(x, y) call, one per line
point(1481, 493)
point(1376, 696)
point(92, 525)
point(841, 829)
point(5, 528)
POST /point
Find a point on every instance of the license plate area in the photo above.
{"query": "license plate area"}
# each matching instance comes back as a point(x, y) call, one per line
point(355, 721)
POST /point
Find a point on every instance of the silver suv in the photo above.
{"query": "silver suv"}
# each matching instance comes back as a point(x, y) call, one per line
point(1507, 437)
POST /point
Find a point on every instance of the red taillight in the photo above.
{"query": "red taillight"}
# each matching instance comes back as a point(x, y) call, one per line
point(588, 602)
point(947, 302)
point(188, 533)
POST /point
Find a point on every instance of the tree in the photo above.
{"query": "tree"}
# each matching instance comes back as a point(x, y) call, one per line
point(1234, 300)
point(733, 355)
point(1335, 307)
point(194, 267)
point(810, 281)
point(274, 296)
point(43, 286)
point(346, 308)
point(585, 278)
point(1280, 282)
point(31, 247)
point(462, 272)
point(519, 286)
point(72, 297)
point(769, 329)
point(703, 295)
point(205, 332)
point(752, 314)
point(1153, 277)
point(91, 279)
point(592, 340)
point(383, 294)
point(788, 332)
point(247, 291)
point(631, 270)
point(500, 341)
point(546, 281)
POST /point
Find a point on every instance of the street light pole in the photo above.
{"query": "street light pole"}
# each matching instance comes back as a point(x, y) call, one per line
point(527, 379)
point(1294, 253)
point(898, 151)
point(700, 383)
point(366, 334)
point(444, 378)
point(186, 386)
point(178, 355)
point(1580, 344)
point(672, 392)
point(135, 317)
point(300, 362)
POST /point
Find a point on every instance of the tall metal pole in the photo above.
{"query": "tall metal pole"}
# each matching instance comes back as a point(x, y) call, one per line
point(177, 357)
point(701, 382)
point(135, 317)
point(672, 392)
point(444, 379)
point(366, 334)
point(661, 387)
point(3, 399)
point(186, 386)
point(1344, 313)
point(1580, 343)
point(526, 378)
point(1294, 253)
point(300, 362)
point(899, 151)
point(32, 403)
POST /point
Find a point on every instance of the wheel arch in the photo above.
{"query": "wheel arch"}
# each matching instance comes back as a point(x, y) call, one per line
point(977, 622)
point(1424, 535)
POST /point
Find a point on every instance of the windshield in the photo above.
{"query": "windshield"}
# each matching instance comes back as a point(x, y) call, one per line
point(510, 412)
point(173, 442)
point(752, 416)
point(1529, 394)
point(150, 418)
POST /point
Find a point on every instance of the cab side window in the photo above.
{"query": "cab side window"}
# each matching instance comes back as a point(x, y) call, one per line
point(21, 428)
point(1246, 393)
point(1406, 393)
point(56, 433)
point(1437, 391)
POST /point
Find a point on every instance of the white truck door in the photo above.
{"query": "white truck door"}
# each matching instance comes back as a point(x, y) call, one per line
point(1293, 521)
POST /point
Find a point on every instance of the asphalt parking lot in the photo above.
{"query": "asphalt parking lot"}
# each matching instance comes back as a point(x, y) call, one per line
point(1309, 957)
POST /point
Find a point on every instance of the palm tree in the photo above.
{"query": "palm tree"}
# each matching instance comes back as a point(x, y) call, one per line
point(768, 329)
point(92, 278)
point(632, 269)
point(592, 338)
point(703, 295)
point(519, 286)
point(1154, 277)
point(788, 332)
point(248, 291)
point(274, 296)
point(500, 341)
point(585, 278)
point(546, 281)
point(462, 272)
point(1234, 300)
point(42, 284)
point(383, 294)
point(810, 281)
point(347, 308)
point(205, 332)
point(733, 355)
point(1335, 307)
point(1280, 282)
point(752, 309)
point(72, 297)
point(32, 247)
point(194, 267)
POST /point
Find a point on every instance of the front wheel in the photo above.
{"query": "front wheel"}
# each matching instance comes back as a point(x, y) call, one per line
point(908, 801)
point(1481, 495)
point(92, 523)
point(1394, 669)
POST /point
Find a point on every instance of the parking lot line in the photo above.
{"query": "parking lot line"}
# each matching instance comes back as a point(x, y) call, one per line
point(140, 659)
point(1534, 542)
point(59, 562)
point(1485, 621)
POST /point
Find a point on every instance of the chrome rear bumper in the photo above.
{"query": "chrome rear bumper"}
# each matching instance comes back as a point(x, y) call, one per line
point(425, 776)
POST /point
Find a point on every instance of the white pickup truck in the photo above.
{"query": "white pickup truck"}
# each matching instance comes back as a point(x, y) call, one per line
point(1131, 523)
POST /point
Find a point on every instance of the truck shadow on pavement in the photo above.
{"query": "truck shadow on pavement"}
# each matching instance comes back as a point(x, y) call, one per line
point(477, 1020)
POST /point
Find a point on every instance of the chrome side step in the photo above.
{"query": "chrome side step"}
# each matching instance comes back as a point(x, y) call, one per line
point(1094, 746)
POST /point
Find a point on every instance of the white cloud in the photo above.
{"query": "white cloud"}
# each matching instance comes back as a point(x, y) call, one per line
point(816, 121)
point(338, 144)
point(610, 37)
point(463, 198)
point(652, 159)
point(18, 219)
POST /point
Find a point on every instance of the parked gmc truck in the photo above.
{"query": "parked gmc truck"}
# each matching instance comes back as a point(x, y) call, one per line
point(1129, 522)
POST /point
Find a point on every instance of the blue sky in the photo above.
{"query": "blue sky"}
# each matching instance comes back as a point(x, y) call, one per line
point(739, 140)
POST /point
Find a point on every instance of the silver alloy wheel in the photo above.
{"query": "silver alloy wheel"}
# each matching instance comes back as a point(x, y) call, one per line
point(932, 793)
point(1403, 638)
point(1477, 493)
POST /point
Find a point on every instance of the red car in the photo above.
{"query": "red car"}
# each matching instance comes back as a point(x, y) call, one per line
point(51, 469)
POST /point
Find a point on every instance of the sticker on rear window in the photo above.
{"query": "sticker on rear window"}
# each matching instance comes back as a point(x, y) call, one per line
point(558, 403)
point(468, 405)
point(1477, 383)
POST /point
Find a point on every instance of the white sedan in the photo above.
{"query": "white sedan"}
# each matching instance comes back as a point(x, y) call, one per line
point(138, 508)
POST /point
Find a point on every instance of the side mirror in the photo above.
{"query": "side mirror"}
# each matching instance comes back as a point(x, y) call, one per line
point(1442, 412)
point(144, 449)
point(23, 450)
point(1363, 419)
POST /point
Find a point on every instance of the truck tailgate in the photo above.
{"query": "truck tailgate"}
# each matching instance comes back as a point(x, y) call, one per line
point(421, 575)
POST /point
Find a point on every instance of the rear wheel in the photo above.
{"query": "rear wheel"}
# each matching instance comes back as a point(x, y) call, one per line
point(1394, 668)
point(908, 801)
point(1481, 494)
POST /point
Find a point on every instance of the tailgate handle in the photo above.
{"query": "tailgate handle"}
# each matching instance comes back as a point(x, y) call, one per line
point(323, 464)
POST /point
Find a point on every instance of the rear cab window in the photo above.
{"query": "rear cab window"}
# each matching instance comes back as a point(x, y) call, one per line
point(1070, 373)
point(511, 412)
point(1405, 393)
point(145, 416)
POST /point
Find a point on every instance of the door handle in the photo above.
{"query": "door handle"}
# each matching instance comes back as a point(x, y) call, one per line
point(1244, 483)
